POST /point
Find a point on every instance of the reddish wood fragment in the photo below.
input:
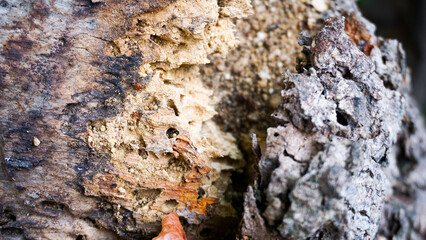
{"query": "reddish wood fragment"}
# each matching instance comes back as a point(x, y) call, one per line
point(135, 115)
point(186, 151)
point(137, 86)
point(358, 33)
point(172, 228)
point(202, 205)
point(356, 30)
point(186, 194)
point(367, 48)
point(192, 175)
point(322, 46)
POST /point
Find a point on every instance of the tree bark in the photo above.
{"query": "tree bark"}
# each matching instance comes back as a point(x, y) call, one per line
point(115, 114)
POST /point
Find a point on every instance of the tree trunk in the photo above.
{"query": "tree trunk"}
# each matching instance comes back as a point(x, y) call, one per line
point(115, 114)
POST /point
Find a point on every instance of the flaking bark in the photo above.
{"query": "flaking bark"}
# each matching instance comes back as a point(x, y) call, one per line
point(333, 169)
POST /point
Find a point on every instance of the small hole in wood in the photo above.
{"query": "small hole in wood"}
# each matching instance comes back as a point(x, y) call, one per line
point(172, 133)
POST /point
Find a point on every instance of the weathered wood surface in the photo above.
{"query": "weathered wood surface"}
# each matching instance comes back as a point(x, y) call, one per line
point(106, 124)
point(68, 67)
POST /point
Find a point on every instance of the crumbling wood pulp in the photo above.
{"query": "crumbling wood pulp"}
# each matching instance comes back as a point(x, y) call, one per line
point(107, 126)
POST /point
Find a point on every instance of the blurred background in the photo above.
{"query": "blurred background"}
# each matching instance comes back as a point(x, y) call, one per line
point(404, 20)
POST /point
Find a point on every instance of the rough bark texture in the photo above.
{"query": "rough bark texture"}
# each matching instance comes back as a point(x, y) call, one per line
point(110, 122)
point(331, 169)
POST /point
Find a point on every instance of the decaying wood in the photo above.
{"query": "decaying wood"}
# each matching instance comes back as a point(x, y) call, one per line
point(107, 126)
point(118, 115)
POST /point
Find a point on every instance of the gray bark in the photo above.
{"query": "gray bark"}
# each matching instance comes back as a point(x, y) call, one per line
point(342, 164)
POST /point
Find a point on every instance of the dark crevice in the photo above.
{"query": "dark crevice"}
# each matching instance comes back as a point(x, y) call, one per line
point(285, 198)
point(90, 221)
point(347, 74)
point(394, 225)
point(7, 217)
point(53, 206)
point(171, 203)
point(16, 233)
point(319, 235)
point(157, 39)
point(206, 232)
point(405, 163)
point(171, 104)
point(201, 192)
point(383, 159)
point(341, 118)
point(172, 133)
point(239, 185)
point(388, 84)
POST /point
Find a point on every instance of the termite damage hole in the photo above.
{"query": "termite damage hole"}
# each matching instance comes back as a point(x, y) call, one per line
point(172, 133)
